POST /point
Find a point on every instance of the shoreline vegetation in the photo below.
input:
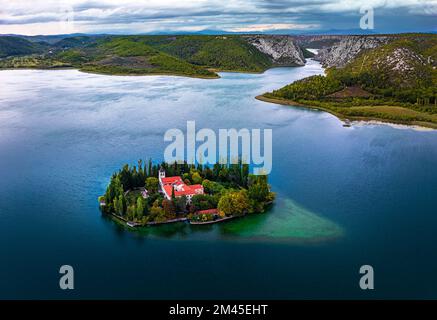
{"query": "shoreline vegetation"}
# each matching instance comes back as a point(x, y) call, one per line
point(394, 83)
point(170, 74)
point(173, 74)
point(150, 194)
point(348, 119)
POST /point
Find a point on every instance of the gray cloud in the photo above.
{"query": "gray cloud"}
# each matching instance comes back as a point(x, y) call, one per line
point(149, 15)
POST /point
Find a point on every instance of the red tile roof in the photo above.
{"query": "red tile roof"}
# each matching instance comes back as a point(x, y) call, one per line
point(171, 180)
point(184, 190)
point(180, 188)
point(209, 211)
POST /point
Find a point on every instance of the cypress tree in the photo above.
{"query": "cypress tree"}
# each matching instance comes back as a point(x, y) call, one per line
point(150, 170)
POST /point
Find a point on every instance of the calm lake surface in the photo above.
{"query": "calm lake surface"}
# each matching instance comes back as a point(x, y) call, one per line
point(346, 196)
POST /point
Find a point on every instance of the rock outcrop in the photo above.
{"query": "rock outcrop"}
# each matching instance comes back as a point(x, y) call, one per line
point(317, 41)
point(281, 49)
point(404, 66)
point(348, 48)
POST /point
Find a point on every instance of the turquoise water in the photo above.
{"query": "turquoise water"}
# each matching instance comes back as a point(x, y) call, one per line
point(346, 196)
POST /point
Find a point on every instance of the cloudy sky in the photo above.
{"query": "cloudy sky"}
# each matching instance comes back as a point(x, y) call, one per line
point(156, 16)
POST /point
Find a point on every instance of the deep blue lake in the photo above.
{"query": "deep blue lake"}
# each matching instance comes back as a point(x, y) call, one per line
point(347, 196)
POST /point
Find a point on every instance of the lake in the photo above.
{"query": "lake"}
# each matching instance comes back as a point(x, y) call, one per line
point(347, 196)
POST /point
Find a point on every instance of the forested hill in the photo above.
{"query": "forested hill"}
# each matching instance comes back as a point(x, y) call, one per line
point(199, 56)
point(13, 46)
point(395, 81)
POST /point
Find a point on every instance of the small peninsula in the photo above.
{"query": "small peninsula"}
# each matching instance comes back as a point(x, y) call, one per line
point(199, 56)
point(150, 194)
point(394, 80)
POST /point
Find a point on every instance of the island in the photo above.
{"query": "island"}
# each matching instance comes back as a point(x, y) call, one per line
point(386, 78)
point(152, 194)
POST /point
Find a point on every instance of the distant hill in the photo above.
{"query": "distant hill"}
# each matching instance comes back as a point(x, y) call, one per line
point(218, 52)
point(405, 64)
point(191, 55)
point(15, 46)
point(129, 55)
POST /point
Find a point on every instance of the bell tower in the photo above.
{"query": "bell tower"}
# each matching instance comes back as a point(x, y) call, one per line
point(161, 173)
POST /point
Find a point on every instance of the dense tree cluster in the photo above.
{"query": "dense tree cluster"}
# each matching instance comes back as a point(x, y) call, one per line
point(319, 87)
point(127, 56)
point(311, 88)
